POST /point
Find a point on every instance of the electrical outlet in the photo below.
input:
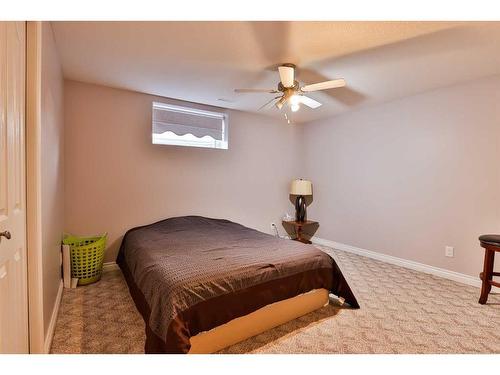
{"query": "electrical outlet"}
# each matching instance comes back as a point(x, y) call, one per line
point(449, 251)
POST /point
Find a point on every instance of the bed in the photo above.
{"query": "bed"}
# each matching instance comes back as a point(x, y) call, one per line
point(202, 284)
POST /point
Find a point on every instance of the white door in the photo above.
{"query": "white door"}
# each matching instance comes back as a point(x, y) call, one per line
point(13, 259)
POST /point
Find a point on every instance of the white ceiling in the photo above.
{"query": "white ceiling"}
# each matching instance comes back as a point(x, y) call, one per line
point(204, 61)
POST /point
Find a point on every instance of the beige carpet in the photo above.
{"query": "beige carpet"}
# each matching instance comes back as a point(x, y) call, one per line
point(402, 311)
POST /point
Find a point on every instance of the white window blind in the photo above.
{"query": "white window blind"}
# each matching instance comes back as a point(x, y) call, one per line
point(183, 126)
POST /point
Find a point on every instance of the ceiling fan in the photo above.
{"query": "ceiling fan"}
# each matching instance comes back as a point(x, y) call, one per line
point(290, 90)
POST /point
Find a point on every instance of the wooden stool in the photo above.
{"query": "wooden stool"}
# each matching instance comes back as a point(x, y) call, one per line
point(491, 244)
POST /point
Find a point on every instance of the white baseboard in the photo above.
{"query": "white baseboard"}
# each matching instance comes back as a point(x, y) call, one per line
point(441, 272)
point(53, 320)
point(110, 266)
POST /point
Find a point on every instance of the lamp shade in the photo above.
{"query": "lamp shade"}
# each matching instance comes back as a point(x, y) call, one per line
point(301, 187)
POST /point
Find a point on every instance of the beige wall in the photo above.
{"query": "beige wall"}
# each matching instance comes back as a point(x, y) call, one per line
point(52, 170)
point(405, 178)
point(409, 177)
point(116, 179)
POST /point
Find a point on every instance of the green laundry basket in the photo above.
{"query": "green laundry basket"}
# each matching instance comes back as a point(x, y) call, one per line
point(87, 256)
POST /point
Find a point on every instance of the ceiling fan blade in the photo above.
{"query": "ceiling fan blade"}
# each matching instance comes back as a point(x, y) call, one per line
point(242, 91)
point(287, 75)
point(268, 102)
point(311, 103)
point(333, 84)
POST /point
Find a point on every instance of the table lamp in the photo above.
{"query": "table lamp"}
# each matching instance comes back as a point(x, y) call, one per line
point(300, 188)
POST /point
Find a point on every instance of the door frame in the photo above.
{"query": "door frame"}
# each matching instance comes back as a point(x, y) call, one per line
point(33, 186)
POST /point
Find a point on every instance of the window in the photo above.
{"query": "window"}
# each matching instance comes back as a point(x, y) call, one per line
point(183, 126)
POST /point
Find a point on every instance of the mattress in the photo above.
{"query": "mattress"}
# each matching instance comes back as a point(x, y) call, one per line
point(190, 274)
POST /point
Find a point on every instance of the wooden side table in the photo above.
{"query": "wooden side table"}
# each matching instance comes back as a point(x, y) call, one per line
point(298, 226)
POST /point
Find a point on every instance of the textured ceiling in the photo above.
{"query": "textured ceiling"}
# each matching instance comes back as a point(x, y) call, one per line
point(204, 61)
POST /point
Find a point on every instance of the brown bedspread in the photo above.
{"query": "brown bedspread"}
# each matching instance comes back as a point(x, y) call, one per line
point(190, 274)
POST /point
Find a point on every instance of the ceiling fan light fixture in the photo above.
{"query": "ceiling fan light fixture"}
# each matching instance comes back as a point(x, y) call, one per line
point(295, 99)
point(295, 107)
point(279, 104)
